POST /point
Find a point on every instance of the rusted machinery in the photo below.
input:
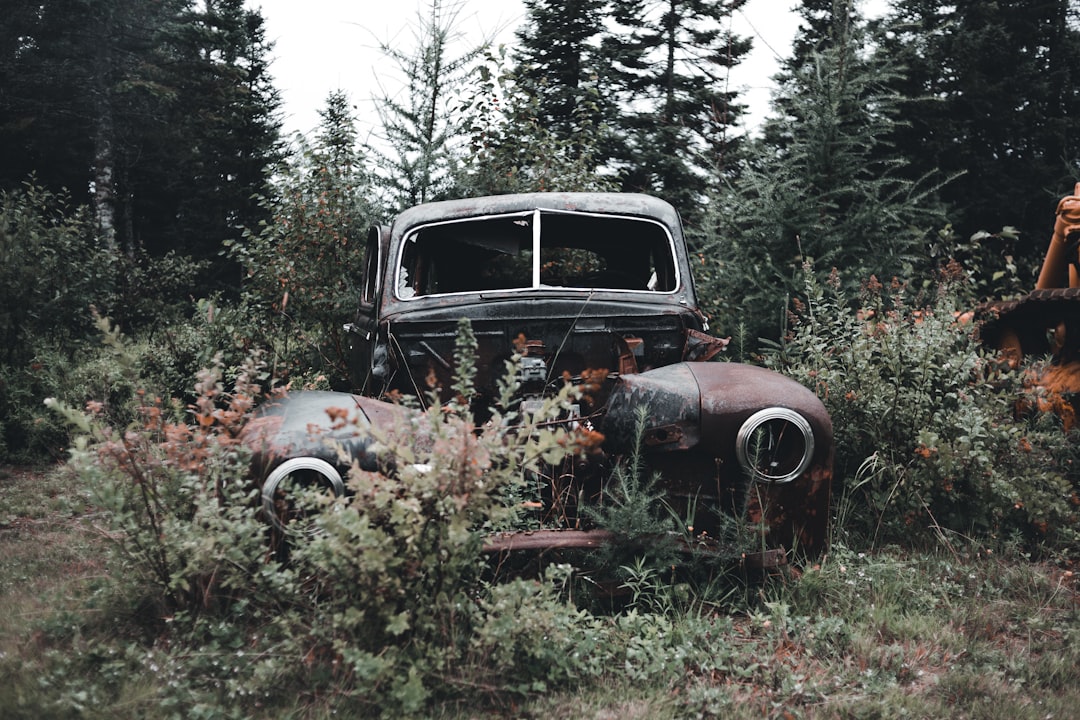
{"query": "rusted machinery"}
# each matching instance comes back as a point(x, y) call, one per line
point(589, 288)
point(1046, 322)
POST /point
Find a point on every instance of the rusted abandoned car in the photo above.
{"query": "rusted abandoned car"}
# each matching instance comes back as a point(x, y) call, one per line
point(582, 285)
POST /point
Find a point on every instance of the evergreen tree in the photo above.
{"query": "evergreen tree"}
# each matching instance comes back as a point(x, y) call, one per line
point(71, 72)
point(672, 62)
point(207, 152)
point(560, 63)
point(423, 132)
point(999, 101)
point(824, 23)
point(163, 110)
point(822, 185)
point(511, 149)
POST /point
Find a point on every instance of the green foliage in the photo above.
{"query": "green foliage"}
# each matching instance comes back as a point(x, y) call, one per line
point(169, 478)
point(32, 434)
point(628, 91)
point(866, 634)
point(998, 265)
point(56, 275)
point(302, 267)
point(635, 507)
point(378, 606)
point(385, 611)
point(927, 436)
point(821, 185)
point(636, 511)
point(111, 373)
point(397, 567)
point(52, 271)
point(991, 96)
point(558, 57)
point(513, 150)
point(163, 110)
point(671, 63)
point(156, 291)
point(425, 131)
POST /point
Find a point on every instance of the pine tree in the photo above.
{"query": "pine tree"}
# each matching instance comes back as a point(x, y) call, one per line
point(208, 151)
point(999, 101)
point(71, 73)
point(163, 110)
point(822, 185)
point(423, 132)
point(824, 23)
point(559, 62)
point(672, 62)
point(512, 149)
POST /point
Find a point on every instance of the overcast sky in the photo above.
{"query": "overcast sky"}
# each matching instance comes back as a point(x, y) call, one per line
point(326, 45)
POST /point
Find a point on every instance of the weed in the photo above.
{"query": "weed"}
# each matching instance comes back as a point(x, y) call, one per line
point(928, 442)
point(174, 607)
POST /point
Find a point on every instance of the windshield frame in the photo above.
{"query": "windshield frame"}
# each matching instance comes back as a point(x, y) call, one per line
point(664, 253)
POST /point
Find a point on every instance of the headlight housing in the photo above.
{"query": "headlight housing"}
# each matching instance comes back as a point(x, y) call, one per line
point(297, 474)
point(775, 445)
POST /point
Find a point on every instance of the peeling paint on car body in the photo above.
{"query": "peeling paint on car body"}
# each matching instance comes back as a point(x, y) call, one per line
point(589, 283)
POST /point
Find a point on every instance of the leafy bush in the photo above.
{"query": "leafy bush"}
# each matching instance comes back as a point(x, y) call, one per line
point(55, 275)
point(927, 434)
point(302, 267)
point(109, 373)
point(52, 273)
point(377, 608)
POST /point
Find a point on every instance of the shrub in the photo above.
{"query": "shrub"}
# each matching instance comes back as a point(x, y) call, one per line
point(52, 272)
point(377, 609)
point(927, 435)
point(302, 266)
point(385, 603)
point(54, 275)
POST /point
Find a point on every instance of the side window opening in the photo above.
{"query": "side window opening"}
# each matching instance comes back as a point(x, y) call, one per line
point(370, 279)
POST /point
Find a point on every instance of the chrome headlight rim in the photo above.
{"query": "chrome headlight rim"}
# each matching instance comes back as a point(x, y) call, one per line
point(791, 468)
point(329, 478)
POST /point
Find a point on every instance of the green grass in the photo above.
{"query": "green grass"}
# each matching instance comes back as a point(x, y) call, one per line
point(958, 632)
point(51, 559)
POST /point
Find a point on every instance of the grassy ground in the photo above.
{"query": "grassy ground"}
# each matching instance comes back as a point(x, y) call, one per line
point(51, 556)
point(51, 552)
point(961, 631)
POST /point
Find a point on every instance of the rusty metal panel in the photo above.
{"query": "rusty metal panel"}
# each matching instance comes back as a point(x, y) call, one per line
point(631, 346)
point(330, 426)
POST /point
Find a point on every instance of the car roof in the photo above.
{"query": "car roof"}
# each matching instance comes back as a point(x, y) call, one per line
point(627, 204)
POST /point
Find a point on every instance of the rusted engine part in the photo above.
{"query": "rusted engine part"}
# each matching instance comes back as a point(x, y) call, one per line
point(1045, 322)
point(777, 473)
point(307, 440)
point(1061, 256)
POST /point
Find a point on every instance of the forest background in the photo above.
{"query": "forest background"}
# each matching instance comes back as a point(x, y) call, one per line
point(145, 142)
point(909, 167)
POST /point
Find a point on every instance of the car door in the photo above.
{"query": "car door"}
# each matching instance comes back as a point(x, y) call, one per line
point(365, 366)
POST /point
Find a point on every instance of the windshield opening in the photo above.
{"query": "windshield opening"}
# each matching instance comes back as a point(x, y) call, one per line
point(576, 250)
